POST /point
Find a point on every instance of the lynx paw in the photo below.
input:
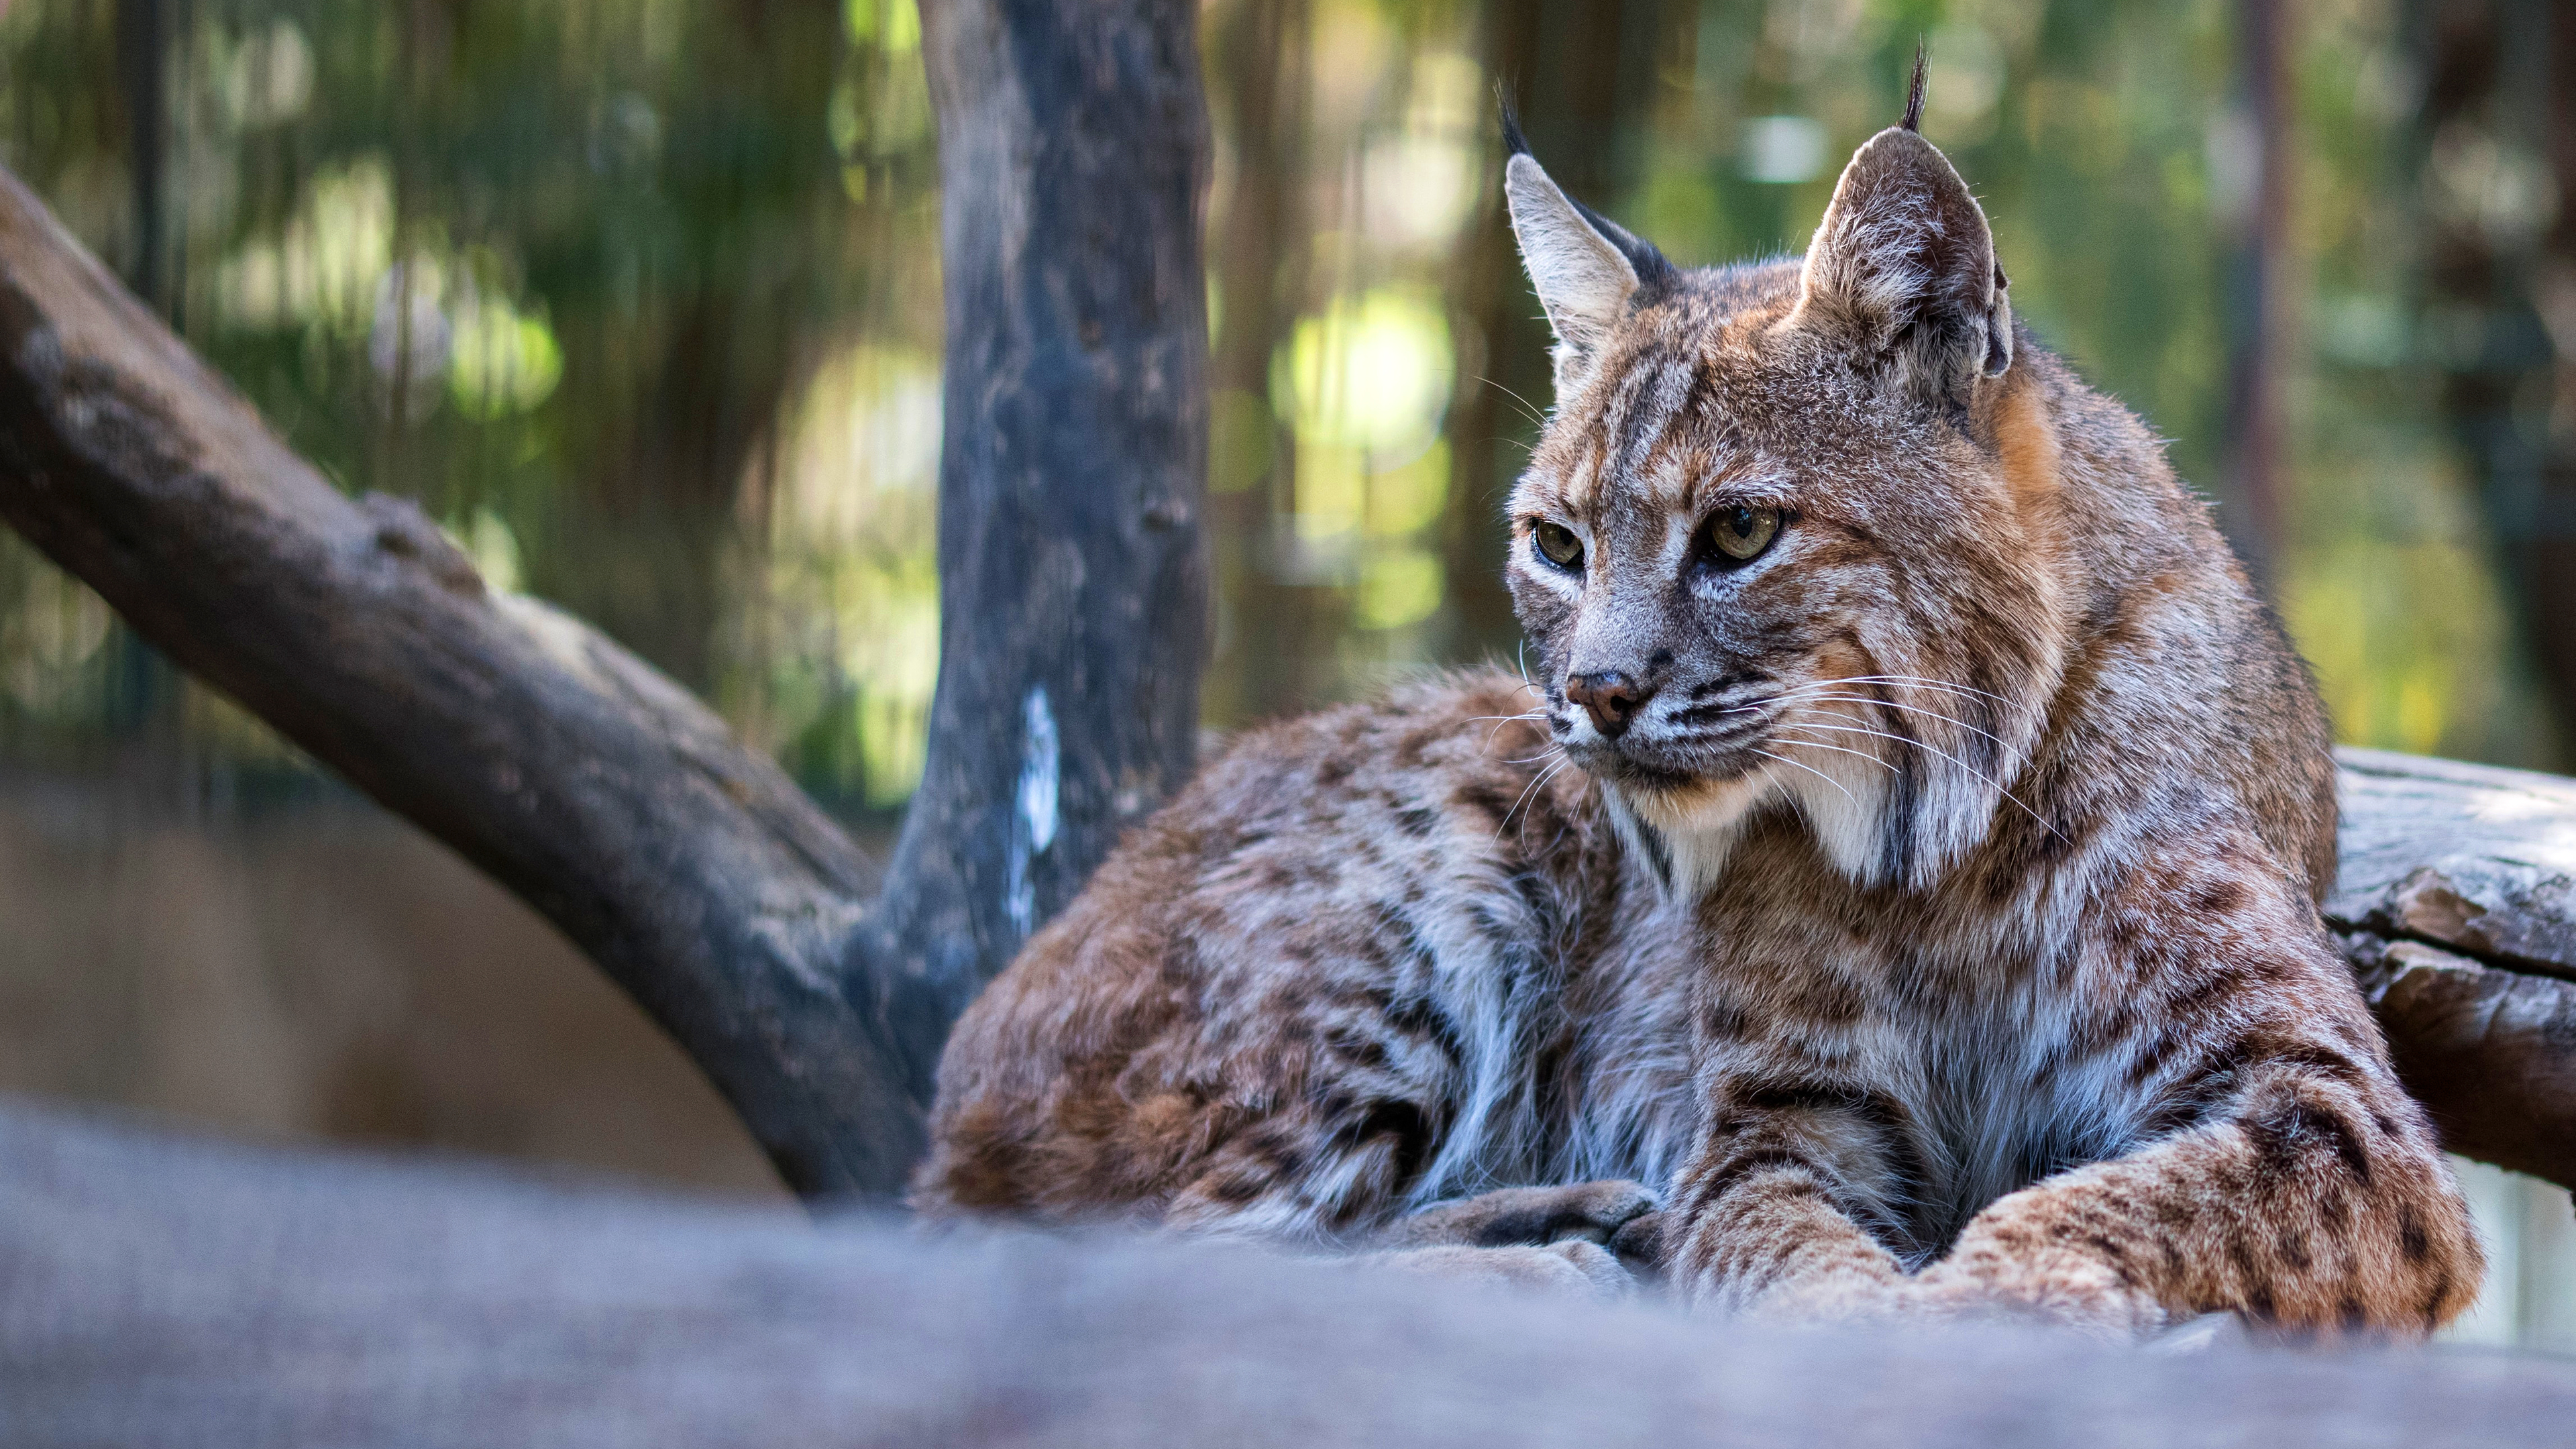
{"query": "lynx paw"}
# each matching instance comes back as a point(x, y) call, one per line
point(1573, 1265)
point(1832, 1298)
point(2102, 1308)
point(2088, 1299)
point(1588, 1212)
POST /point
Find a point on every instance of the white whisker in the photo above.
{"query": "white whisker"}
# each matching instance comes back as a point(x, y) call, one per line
point(1915, 679)
point(1804, 698)
point(1996, 785)
point(1541, 778)
point(1810, 769)
point(1840, 750)
point(1500, 720)
point(1537, 420)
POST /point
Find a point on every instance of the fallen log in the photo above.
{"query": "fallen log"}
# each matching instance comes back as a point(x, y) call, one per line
point(155, 1291)
point(2456, 900)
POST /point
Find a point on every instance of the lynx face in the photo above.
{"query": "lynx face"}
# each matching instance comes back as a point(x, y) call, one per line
point(1787, 534)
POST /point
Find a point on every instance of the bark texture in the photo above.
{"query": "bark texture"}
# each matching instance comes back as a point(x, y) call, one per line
point(693, 871)
point(2457, 902)
point(1073, 151)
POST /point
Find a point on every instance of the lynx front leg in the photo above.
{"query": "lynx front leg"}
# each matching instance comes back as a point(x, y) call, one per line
point(1761, 1219)
point(2283, 1173)
point(2314, 1200)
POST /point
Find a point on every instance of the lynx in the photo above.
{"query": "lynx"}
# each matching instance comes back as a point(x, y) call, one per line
point(1894, 891)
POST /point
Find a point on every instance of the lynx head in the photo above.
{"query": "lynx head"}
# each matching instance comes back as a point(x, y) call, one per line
point(1787, 539)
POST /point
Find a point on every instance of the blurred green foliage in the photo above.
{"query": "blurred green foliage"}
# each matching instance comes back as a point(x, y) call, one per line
point(640, 299)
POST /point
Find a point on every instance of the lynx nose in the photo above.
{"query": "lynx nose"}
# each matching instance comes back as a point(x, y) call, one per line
point(1610, 697)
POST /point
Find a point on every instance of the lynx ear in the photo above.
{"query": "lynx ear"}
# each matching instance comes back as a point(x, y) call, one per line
point(1585, 267)
point(1903, 266)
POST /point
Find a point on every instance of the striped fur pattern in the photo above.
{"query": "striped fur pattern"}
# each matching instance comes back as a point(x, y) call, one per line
point(1920, 908)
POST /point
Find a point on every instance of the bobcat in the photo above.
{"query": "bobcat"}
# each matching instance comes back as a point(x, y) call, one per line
point(1895, 893)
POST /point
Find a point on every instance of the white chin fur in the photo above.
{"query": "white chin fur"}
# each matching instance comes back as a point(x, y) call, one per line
point(1686, 840)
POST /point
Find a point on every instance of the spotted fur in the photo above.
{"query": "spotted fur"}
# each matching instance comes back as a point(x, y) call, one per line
point(1924, 910)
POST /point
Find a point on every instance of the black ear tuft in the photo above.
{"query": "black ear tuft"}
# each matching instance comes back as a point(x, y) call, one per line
point(1914, 96)
point(1514, 143)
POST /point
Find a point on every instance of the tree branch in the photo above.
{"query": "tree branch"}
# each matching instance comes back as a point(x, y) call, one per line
point(694, 872)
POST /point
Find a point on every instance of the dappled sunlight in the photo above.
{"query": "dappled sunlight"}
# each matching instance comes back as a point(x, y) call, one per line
point(501, 360)
point(859, 453)
point(263, 77)
point(327, 265)
point(1370, 373)
point(50, 633)
point(1398, 586)
point(1420, 181)
point(1366, 387)
point(495, 550)
point(432, 317)
point(848, 603)
point(879, 111)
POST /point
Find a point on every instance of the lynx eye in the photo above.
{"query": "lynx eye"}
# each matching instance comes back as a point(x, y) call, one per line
point(1741, 533)
point(1557, 543)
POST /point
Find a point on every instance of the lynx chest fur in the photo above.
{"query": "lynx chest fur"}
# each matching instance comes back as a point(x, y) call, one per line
point(1892, 890)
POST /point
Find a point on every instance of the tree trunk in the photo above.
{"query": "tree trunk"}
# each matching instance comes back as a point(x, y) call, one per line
point(1073, 155)
point(2259, 292)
